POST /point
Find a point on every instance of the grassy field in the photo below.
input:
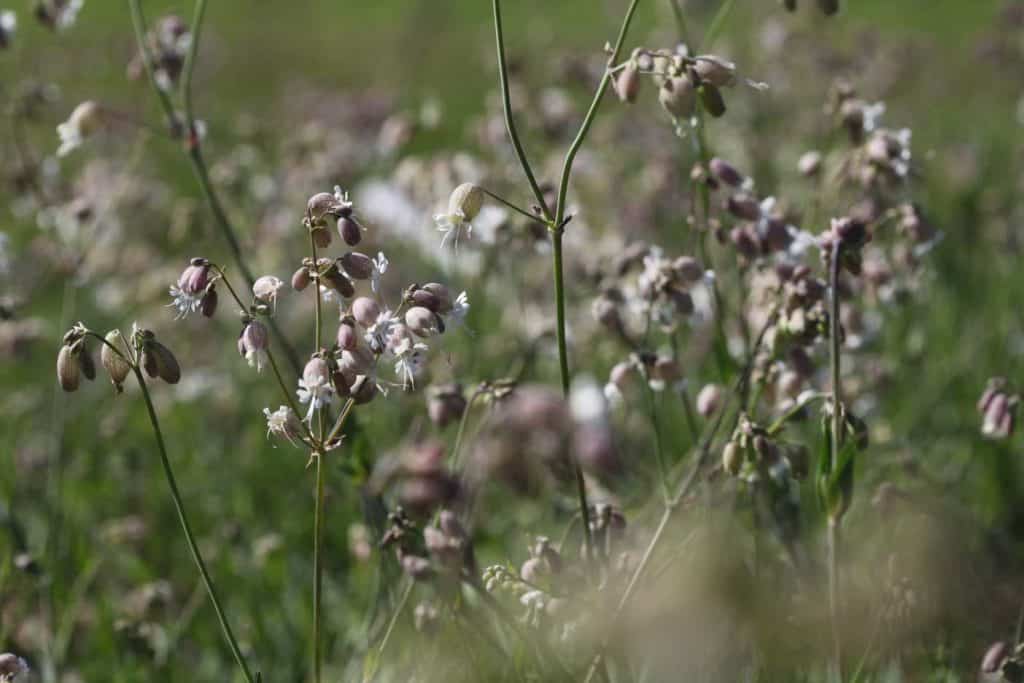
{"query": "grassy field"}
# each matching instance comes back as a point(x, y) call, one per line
point(96, 583)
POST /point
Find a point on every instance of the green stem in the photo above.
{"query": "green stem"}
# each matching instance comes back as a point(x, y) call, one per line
point(659, 453)
point(835, 519)
point(182, 517)
point(517, 209)
point(318, 538)
point(506, 99)
point(190, 62)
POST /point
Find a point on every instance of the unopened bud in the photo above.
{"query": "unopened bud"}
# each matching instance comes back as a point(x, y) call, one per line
point(445, 404)
point(726, 172)
point(114, 363)
point(358, 266)
point(349, 231)
point(715, 70)
point(423, 322)
point(627, 83)
point(809, 164)
point(365, 310)
point(300, 279)
point(732, 458)
point(709, 400)
point(208, 306)
point(68, 369)
point(166, 365)
point(711, 99)
point(348, 338)
point(994, 657)
point(743, 205)
point(444, 299)
point(466, 200)
point(678, 97)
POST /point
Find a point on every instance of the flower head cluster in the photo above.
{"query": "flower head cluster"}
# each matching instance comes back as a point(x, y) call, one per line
point(168, 43)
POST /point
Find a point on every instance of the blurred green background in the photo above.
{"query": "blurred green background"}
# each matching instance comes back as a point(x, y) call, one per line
point(74, 467)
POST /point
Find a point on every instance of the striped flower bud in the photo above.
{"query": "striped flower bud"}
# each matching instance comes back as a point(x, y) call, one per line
point(254, 343)
point(114, 363)
point(715, 70)
point(711, 99)
point(726, 172)
point(444, 299)
point(732, 458)
point(627, 83)
point(300, 279)
point(358, 266)
point(347, 335)
point(678, 97)
point(68, 369)
point(350, 231)
point(365, 310)
point(423, 322)
point(165, 364)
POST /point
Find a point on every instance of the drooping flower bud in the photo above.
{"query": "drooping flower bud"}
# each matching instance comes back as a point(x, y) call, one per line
point(114, 363)
point(726, 172)
point(711, 99)
point(350, 231)
point(254, 343)
point(12, 668)
point(994, 657)
point(466, 200)
point(266, 287)
point(194, 279)
point(365, 310)
point(709, 400)
point(627, 83)
point(732, 458)
point(300, 279)
point(423, 322)
point(208, 305)
point(744, 206)
point(347, 335)
point(358, 266)
point(445, 404)
point(444, 299)
point(165, 364)
point(715, 70)
point(68, 369)
point(678, 97)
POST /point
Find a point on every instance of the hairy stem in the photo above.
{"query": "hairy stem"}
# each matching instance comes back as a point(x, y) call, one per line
point(179, 506)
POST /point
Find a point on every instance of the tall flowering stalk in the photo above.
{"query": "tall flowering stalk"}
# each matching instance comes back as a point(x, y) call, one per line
point(557, 220)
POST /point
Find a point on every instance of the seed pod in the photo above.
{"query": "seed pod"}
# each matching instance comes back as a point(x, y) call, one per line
point(68, 369)
point(423, 322)
point(321, 238)
point(726, 172)
point(444, 300)
point(349, 231)
point(627, 83)
point(466, 200)
point(365, 310)
point(732, 458)
point(711, 98)
point(677, 96)
point(166, 364)
point(715, 70)
point(208, 306)
point(86, 362)
point(358, 266)
point(343, 379)
point(300, 279)
point(115, 365)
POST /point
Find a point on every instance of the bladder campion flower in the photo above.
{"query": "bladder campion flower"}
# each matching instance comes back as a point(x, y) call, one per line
point(463, 206)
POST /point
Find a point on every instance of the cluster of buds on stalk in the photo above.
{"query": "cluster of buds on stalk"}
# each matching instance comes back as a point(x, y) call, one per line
point(755, 453)
point(326, 207)
point(195, 289)
point(684, 81)
point(168, 44)
point(117, 355)
point(443, 550)
point(881, 157)
point(998, 409)
point(418, 475)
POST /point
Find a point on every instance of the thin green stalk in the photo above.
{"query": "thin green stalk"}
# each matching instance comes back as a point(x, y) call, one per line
point(506, 99)
point(672, 504)
point(139, 26)
point(717, 24)
point(835, 520)
point(318, 539)
point(517, 209)
point(659, 453)
point(179, 506)
point(190, 62)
